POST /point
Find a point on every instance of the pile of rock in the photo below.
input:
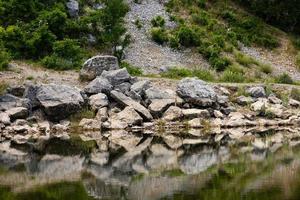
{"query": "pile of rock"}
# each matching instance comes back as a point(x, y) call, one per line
point(121, 101)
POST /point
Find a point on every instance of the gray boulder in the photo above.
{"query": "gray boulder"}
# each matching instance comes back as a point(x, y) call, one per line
point(116, 77)
point(73, 8)
point(59, 101)
point(157, 93)
point(94, 66)
point(140, 87)
point(9, 101)
point(197, 92)
point(257, 92)
point(174, 113)
point(98, 85)
point(158, 106)
point(127, 101)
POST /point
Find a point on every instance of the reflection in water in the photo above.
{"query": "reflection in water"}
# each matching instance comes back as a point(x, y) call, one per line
point(121, 165)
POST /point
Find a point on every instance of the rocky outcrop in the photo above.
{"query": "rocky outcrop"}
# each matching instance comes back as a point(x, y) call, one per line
point(94, 66)
point(196, 92)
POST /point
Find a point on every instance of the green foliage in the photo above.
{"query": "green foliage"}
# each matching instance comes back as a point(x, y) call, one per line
point(244, 60)
point(159, 35)
point(187, 37)
point(158, 21)
point(4, 59)
point(284, 79)
point(232, 76)
point(67, 54)
point(138, 23)
point(284, 14)
point(295, 94)
point(265, 68)
point(31, 29)
point(132, 70)
point(178, 73)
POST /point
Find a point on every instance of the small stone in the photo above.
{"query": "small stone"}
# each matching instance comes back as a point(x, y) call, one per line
point(218, 114)
point(243, 101)
point(195, 113)
point(4, 118)
point(159, 106)
point(294, 103)
point(259, 105)
point(273, 99)
point(102, 114)
point(140, 87)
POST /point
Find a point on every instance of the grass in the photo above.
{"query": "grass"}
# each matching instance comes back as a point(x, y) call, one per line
point(179, 72)
point(244, 60)
point(295, 94)
point(284, 79)
point(232, 77)
point(3, 87)
point(298, 60)
point(132, 70)
point(265, 68)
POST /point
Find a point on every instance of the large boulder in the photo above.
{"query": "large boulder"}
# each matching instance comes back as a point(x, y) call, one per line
point(128, 117)
point(59, 101)
point(127, 101)
point(98, 85)
point(73, 8)
point(98, 101)
point(197, 92)
point(94, 66)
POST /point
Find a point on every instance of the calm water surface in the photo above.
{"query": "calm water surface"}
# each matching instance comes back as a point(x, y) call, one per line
point(262, 165)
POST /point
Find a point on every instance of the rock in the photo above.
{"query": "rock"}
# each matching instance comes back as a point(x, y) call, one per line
point(4, 118)
point(159, 106)
point(273, 99)
point(90, 124)
point(277, 110)
point(257, 91)
point(259, 105)
point(294, 103)
point(59, 101)
point(174, 113)
point(9, 101)
point(157, 93)
point(16, 90)
point(98, 85)
point(94, 66)
point(140, 87)
point(228, 110)
point(126, 101)
point(17, 113)
point(223, 100)
point(116, 77)
point(123, 87)
point(128, 116)
point(98, 101)
point(100, 158)
point(195, 113)
point(243, 101)
point(218, 114)
point(73, 8)
point(197, 92)
point(102, 114)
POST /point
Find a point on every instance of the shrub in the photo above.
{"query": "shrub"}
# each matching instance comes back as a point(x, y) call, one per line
point(159, 35)
point(284, 79)
point(232, 77)
point(158, 21)
point(201, 18)
point(295, 94)
point(132, 70)
point(204, 74)
point(177, 73)
point(265, 68)
point(187, 37)
point(4, 59)
point(55, 62)
point(219, 63)
point(244, 59)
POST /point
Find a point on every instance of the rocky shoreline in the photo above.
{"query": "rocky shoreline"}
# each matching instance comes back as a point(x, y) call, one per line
point(119, 101)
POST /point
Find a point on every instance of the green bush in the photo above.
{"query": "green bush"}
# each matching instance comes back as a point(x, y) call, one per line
point(244, 59)
point(158, 21)
point(132, 70)
point(295, 94)
point(219, 63)
point(187, 37)
point(232, 77)
point(179, 72)
point(266, 68)
point(159, 35)
point(56, 62)
point(4, 59)
point(284, 79)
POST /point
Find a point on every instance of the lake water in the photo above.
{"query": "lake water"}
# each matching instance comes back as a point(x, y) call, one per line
point(262, 165)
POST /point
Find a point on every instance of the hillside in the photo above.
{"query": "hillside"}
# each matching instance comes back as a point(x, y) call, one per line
point(219, 41)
